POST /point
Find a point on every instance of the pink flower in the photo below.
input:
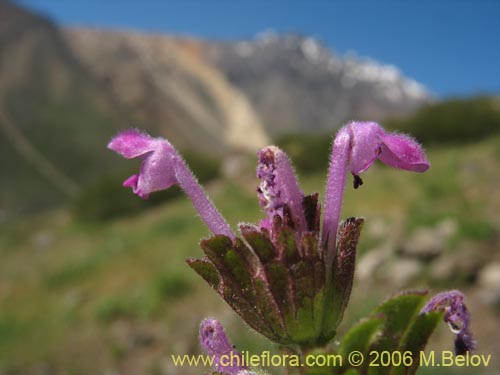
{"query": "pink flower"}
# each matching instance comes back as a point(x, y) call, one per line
point(356, 146)
point(162, 167)
point(456, 315)
point(214, 341)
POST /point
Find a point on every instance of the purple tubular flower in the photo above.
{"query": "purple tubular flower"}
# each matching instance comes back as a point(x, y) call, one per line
point(214, 341)
point(456, 316)
point(279, 187)
point(356, 146)
point(162, 167)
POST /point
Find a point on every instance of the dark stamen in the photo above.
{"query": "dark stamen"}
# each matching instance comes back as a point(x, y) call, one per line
point(357, 182)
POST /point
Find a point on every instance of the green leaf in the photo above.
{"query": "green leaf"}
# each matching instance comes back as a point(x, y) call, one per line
point(360, 337)
point(301, 329)
point(286, 246)
point(270, 309)
point(246, 253)
point(239, 269)
point(236, 287)
point(395, 325)
point(248, 311)
point(339, 284)
point(205, 269)
point(319, 303)
point(280, 284)
point(309, 245)
point(303, 275)
point(343, 266)
point(304, 330)
point(416, 339)
point(398, 314)
point(259, 242)
point(216, 248)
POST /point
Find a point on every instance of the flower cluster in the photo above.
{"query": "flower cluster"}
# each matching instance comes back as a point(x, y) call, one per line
point(289, 276)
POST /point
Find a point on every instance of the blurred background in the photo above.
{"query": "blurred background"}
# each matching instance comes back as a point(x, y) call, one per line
point(93, 280)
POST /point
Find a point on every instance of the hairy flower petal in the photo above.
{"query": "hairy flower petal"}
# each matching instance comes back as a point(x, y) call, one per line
point(162, 167)
point(158, 160)
point(365, 138)
point(403, 152)
point(214, 341)
point(132, 143)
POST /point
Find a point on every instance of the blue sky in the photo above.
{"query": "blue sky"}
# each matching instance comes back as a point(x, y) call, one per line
point(452, 47)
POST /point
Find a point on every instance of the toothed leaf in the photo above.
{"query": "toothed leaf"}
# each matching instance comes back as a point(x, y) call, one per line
point(259, 242)
point(216, 248)
point(205, 269)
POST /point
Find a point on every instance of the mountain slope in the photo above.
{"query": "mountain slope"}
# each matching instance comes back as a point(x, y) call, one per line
point(171, 88)
point(54, 115)
point(57, 112)
point(65, 92)
point(272, 84)
point(297, 84)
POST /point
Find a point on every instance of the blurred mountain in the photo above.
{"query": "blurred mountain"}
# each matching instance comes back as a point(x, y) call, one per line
point(64, 92)
point(166, 83)
point(57, 110)
point(272, 84)
point(55, 117)
point(299, 85)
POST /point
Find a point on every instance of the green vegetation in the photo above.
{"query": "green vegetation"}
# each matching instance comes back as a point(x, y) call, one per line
point(310, 153)
point(69, 284)
point(453, 121)
point(66, 132)
point(72, 278)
